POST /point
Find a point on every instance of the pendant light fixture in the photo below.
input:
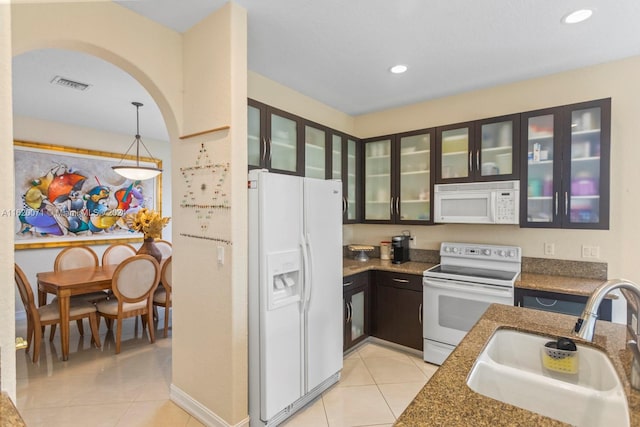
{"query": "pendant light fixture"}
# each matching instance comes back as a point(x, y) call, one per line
point(136, 172)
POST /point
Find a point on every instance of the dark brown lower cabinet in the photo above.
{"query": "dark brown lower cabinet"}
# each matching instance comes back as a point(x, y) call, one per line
point(397, 308)
point(558, 302)
point(355, 309)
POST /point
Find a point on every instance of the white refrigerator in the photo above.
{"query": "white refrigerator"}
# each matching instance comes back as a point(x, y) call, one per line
point(295, 292)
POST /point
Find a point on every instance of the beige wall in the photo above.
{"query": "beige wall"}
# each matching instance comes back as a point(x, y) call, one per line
point(210, 314)
point(210, 350)
point(270, 92)
point(7, 286)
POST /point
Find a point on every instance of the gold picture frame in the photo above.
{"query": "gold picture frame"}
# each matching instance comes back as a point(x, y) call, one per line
point(67, 196)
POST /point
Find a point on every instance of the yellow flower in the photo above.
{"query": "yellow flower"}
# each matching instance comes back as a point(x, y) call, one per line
point(148, 222)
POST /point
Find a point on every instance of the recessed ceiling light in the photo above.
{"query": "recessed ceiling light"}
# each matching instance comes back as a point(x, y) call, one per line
point(398, 69)
point(577, 16)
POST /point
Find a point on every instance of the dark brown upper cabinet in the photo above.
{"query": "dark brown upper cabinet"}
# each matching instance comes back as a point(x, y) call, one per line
point(274, 140)
point(398, 178)
point(345, 165)
point(565, 166)
point(481, 150)
point(285, 143)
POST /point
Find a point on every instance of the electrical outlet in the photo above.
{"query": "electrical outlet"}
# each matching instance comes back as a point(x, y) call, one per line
point(590, 251)
point(549, 248)
point(413, 241)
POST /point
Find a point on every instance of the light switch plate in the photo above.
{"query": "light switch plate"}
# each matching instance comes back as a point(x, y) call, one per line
point(221, 255)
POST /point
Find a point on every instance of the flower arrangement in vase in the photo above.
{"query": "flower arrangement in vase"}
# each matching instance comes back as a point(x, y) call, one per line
point(150, 223)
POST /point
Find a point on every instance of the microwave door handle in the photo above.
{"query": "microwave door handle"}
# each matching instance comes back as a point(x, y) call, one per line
point(454, 285)
point(492, 214)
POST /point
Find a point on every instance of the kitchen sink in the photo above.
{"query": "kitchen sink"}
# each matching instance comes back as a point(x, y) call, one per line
point(510, 369)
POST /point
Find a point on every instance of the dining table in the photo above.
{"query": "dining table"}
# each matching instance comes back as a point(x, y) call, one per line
point(66, 283)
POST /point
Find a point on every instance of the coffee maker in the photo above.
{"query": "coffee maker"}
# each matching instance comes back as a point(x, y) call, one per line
point(400, 245)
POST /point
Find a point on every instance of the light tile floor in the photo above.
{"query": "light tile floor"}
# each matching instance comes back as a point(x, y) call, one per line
point(96, 387)
point(376, 385)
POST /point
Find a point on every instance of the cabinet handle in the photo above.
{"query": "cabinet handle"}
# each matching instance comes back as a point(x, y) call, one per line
point(566, 203)
point(400, 280)
point(348, 283)
point(269, 151)
point(345, 204)
point(470, 163)
point(555, 301)
point(556, 203)
point(397, 205)
point(391, 207)
point(264, 150)
point(350, 311)
point(420, 314)
point(478, 160)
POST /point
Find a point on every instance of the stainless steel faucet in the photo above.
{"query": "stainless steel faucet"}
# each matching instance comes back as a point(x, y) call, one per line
point(586, 324)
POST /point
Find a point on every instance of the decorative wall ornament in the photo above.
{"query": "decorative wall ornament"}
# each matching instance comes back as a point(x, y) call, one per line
point(206, 193)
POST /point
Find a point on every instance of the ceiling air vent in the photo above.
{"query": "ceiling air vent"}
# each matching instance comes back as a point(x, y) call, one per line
point(61, 81)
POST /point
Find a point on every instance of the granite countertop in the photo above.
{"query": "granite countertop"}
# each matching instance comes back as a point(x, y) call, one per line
point(447, 400)
point(561, 284)
point(543, 282)
point(9, 416)
point(351, 266)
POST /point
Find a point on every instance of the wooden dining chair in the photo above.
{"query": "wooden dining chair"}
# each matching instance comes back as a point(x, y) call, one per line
point(133, 284)
point(39, 317)
point(162, 295)
point(166, 248)
point(117, 253)
point(77, 257)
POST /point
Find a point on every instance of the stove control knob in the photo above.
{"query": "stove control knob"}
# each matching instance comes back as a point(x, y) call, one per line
point(447, 249)
point(501, 252)
point(512, 254)
point(486, 252)
point(455, 250)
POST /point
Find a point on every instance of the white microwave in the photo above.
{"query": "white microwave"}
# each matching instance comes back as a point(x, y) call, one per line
point(496, 202)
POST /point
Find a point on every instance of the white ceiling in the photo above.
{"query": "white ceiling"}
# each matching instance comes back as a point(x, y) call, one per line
point(339, 53)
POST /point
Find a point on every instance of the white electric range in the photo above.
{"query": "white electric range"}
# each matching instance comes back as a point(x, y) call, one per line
point(457, 292)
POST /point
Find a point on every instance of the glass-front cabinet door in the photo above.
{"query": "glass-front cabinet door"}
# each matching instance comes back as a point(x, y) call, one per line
point(315, 152)
point(351, 181)
point(336, 157)
point(378, 202)
point(283, 143)
point(273, 137)
point(496, 153)
point(586, 193)
point(541, 138)
point(566, 168)
point(414, 178)
point(256, 145)
point(455, 156)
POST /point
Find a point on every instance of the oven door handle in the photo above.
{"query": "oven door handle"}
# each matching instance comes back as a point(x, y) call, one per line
point(475, 288)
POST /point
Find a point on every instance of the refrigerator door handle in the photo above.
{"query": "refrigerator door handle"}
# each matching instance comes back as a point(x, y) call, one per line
point(309, 284)
point(305, 268)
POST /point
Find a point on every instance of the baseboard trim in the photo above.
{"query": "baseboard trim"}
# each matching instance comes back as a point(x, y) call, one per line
point(199, 411)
